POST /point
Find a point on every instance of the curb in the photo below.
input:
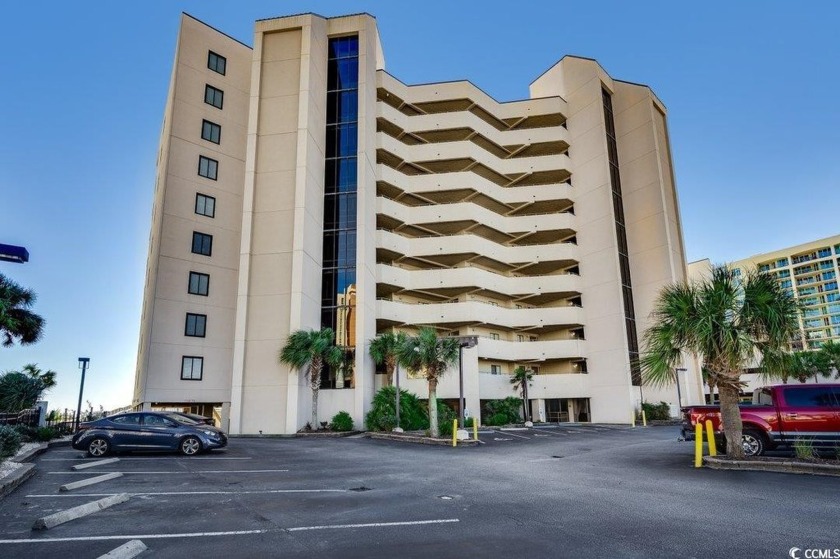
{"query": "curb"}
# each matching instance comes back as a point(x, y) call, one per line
point(126, 550)
point(86, 465)
point(52, 520)
point(327, 434)
point(59, 442)
point(29, 454)
point(89, 481)
point(784, 467)
point(11, 482)
point(419, 440)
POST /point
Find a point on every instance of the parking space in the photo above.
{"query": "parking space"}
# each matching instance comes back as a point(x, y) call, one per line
point(547, 491)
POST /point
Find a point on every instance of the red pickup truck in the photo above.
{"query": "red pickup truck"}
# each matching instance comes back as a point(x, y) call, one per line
point(779, 416)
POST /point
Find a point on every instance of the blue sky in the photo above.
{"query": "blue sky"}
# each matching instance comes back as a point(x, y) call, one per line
point(751, 90)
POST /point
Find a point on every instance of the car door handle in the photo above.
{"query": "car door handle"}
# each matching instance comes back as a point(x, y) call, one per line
point(793, 415)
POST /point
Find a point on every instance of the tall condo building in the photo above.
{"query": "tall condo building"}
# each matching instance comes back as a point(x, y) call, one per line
point(301, 186)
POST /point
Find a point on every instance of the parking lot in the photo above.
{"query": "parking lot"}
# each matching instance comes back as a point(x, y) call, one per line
point(604, 491)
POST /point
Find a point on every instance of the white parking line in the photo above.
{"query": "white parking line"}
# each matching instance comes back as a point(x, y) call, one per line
point(373, 525)
point(135, 537)
point(509, 434)
point(191, 459)
point(162, 493)
point(178, 472)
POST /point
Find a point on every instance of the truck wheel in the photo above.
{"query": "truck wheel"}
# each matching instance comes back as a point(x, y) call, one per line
point(753, 442)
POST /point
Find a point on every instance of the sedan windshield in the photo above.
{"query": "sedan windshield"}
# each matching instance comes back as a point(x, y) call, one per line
point(182, 419)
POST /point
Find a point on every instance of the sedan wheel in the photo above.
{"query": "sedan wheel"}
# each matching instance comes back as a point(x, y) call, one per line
point(190, 446)
point(98, 447)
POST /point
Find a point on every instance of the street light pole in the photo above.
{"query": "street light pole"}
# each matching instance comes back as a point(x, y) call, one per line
point(83, 363)
point(398, 429)
point(461, 385)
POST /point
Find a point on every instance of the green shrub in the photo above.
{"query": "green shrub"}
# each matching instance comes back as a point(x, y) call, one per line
point(18, 391)
point(27, 433)
point(445, 417)
point(504, 412)
point(44, 434)
point(654, 412)
point(383, 415)
point(804, 449)
point(342, 422)
point(10, 441)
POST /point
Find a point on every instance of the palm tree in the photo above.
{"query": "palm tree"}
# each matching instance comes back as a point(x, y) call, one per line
point(727, 321)
point(16, 320)
point(430, 355)
point(47, 378)
point(313, 348)
point(831, 352)
point(384, 349)
point(799, 365)
point(520, 379)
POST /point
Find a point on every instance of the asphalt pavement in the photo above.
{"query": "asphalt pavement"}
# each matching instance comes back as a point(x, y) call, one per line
point(573, 491)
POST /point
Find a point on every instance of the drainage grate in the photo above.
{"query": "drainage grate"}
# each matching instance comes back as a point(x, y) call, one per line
point(362, 488)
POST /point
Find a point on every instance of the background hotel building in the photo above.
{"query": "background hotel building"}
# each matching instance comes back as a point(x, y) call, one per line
point(809, 272)
point(300, 185)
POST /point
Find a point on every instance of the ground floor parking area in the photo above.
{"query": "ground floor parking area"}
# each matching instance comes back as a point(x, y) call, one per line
point(568, 491)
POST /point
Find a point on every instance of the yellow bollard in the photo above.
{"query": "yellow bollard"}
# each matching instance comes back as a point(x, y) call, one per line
point(698, 445)
point(644, 419)
point(475, 429)
point(710, 438)
point(633, 418)
point(454, 432)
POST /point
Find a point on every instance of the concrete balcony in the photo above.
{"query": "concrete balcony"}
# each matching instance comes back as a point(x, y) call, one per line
point(466, 119)
point(425, 184)
point(466, 150)
point(474, 244)
point(475, 312)
point(465, 212)
point(542, 386)
point(468, 277)
point(530, 351)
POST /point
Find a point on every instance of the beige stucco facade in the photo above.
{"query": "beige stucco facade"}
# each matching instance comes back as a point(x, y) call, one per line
point(487, 220)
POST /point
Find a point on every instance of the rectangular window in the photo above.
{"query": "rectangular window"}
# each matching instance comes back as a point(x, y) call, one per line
point(216, 62)
point(208, 168)
point(202, 244)
point(211, 132)
point(495, 369)
point(192, 368)
point(213, 96)
point(199, 284)
point(205, 205)
point(196, 325)
point(494, 336)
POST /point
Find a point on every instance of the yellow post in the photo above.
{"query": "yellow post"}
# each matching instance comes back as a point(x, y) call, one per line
point(633, 418)
point(475, 429)
point(698, 445)
point(644, 418)
point(454, 432)
point(710, 438)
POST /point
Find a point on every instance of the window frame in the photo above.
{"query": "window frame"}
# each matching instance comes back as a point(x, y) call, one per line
point(210, 163)
point(215, 68)
point(204, 124)
point(200, 275)
point(192, 359)
point(203, 235)
point(217, 94)
point(199, 196)
point(196, 316)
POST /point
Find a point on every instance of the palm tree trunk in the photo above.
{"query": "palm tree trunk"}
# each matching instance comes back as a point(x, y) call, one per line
point(730, 416)
point(433, 416)
point(390, 363)
point(315, 386)
point(315, 409)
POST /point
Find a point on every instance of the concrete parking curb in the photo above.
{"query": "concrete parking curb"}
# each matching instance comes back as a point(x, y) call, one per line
point(29, 454)
point(89, 481)
point(18, 476)
point(419, 440)
point(67, 515)
point(327, 434)
point(784, 467)
point(87, 465)
point(126, 550)
point(60, 442)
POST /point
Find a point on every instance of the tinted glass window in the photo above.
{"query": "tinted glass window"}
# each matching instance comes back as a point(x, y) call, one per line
point(216, 62)
point(202, 244)
point(205, 205)
point(199, 284)
point(810, 397)
point(192, 368)
point(196, 325)
point(132, 419)
point(213, 96)
point(211, 132)
point(208, 167)
point(158, 421)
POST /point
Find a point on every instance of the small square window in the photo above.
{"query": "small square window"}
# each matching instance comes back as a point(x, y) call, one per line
point(208, 168)
point(192, 368)
point(494, 335)
point(205, 205)
point(211, 132)
point(202, 244)
point(199, 284)
point(495, 369)
point(213, 96)
point(216, 62)
point(196, 325)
